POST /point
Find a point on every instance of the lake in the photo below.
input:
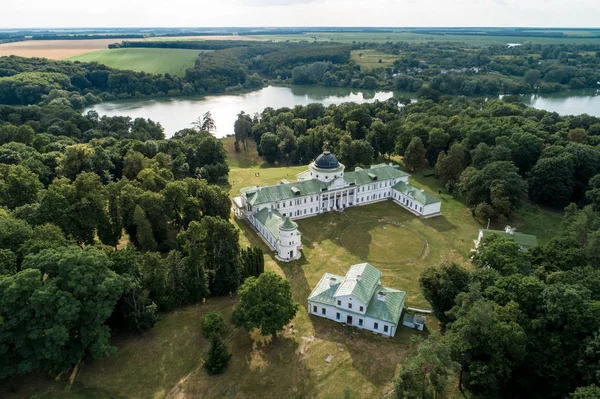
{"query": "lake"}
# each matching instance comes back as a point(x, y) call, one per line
point(178, 113)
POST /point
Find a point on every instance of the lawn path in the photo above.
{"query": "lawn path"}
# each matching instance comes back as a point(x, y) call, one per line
point(173, 392)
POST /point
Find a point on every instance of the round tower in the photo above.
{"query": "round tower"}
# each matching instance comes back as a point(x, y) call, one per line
point(326, 168)
point(289, 240)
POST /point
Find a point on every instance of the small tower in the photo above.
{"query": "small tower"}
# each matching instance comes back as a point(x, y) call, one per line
point(289, 240)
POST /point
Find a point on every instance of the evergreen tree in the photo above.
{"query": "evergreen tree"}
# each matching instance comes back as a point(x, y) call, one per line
point(414, 157)
point(144, 237)
point(218, 357)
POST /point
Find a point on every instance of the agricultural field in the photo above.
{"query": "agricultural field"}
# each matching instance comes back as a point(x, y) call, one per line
point(369, 59)
point(293, 365)
point(151, 60)
point(414, 37)
point(55, 49)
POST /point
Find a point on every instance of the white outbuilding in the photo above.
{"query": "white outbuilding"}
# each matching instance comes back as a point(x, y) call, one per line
point(358, 299)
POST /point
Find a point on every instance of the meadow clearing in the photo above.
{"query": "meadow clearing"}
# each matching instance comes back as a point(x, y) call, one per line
point(166, 361)
point(55, 49)
point(150, 60)
point(369, 59)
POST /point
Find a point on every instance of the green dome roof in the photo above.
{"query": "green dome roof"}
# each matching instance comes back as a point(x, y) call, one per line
point(288, 224)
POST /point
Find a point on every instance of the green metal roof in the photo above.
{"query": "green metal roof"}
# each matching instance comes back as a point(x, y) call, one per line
point(360, 282)
point(415, 193)
point(388, 310)
point(288, 224)
point(271, 219)
point(380, 172)
point(524, 240)
point(323, 292)
point(256, 195)
point(280, 192)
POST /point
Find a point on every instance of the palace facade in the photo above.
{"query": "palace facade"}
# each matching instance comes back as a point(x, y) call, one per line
point(325, 187)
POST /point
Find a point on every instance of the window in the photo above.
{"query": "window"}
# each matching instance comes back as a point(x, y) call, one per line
point(339, 303)
point(385, 328)
point(314, 309)
point(324, 311)
point(337, 316)
point(360, 322)
point(376, 326)
point(349, 306)
point(305, 200)
point(361, 308)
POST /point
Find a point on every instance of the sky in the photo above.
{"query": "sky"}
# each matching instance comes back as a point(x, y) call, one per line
point(215, 13)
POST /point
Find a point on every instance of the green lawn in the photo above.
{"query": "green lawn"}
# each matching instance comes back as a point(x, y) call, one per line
point(369, 59)
point(151, 60)
point(166, 361)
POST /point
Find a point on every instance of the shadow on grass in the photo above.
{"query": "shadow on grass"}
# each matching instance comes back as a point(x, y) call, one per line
point(270, 362)
point(439, 223)
point(373, 356)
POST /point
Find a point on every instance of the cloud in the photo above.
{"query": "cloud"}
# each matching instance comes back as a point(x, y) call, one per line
point(271, 3)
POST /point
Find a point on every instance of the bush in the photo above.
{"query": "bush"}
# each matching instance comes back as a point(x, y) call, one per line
point(212, 323)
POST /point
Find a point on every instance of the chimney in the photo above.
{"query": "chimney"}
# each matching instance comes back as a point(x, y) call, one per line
point(332, 281)
point(381, 296)
point(358, 277)
point(510, 230)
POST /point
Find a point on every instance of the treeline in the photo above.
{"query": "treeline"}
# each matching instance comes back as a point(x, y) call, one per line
point(495, 153)
point(519, 324)
point(30, 80)
point(456, 68)
point(104, 223)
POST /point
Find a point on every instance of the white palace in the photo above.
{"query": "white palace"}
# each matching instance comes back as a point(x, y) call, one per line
point(324, 187)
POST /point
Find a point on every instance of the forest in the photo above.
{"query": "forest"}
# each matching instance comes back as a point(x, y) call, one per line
point(104, 223)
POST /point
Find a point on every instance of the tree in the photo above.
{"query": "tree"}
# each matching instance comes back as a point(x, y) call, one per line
point(414, 157)
point(265, 303)
point(269, 147)
point(212, 323)
point(242, 129)
point(552, 181)
point(62, 298)
point(593, 193)
point(218, 357)
point(441, 285)
point(501, 254)
point(18, 186)
point(589, 392)
point(532, 77)
point(208, 123)
point(499, 181)
point(252, 262)
point(144, 236)
point(449, 166)
point(487, 342)
point(425, 373)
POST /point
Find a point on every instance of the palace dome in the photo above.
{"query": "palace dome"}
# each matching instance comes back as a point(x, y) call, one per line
point(326, 161)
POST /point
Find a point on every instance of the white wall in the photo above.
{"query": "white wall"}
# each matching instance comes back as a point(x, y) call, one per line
point(432, 208)
point(368, 323)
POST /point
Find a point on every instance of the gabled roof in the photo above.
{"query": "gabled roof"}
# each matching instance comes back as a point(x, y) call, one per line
point(376, 173)
point(387, 310)
point(271, 219)
point(524, 240)
point(324, 292)
point(360, 282)
point(414, 193)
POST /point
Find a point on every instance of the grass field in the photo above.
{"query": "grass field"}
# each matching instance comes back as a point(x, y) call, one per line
point(151, 60)
point(369, 59)
point(166, 361)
